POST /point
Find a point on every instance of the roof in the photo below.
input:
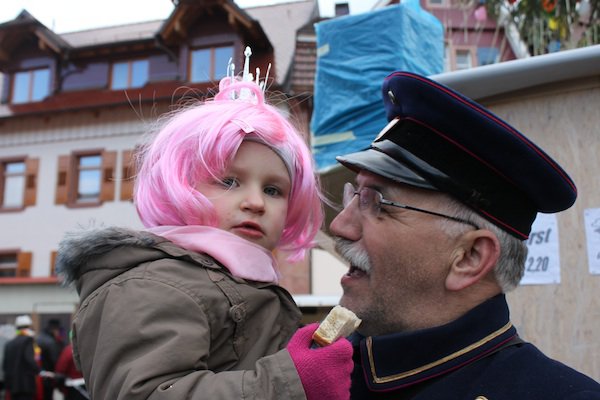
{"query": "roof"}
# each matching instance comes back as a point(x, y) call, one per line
point(13, 33)
point(274, 25)
point(301, 77)
point(111, 34)
point(280, 22)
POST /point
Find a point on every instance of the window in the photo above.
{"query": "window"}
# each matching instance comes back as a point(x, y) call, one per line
point(209, 64)
point(438, 3)
point(129, 74)
point(89, 174)
point(463, 59)
point(29, 86)
point(14, 184)
point(15, 263)
point(8, 264)
point(18, 183)
point(86, 178)
point(447, 58)
point(488, 55)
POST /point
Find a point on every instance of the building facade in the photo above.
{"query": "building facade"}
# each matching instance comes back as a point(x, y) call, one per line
point(73, 108)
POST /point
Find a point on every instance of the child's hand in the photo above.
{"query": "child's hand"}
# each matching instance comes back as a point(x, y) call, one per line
point(324, 371)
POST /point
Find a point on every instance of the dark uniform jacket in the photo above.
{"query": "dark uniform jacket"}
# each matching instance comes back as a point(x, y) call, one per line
point(20, 367)
point(477, 357)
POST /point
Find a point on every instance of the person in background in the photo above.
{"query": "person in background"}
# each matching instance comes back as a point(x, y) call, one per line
point(4, 338)
point(20, 366)
point(190, 308)
point(67, 374)
point(51, 341)
point(434, 230)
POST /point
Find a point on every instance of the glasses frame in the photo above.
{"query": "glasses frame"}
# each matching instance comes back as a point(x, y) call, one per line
point(350, 191)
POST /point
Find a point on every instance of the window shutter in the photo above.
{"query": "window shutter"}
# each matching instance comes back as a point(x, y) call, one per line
point(62, 180)
point(109, 161)
point(5, 88)
point(53, 255)
point(24, 264)
point(31, 172)
point(127, 176)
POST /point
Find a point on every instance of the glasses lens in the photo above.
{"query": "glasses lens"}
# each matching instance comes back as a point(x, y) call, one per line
point(369, 201)
point(348, 194)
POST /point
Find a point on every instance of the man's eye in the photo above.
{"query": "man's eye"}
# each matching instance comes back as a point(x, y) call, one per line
point(228, 182)
point(272, 191)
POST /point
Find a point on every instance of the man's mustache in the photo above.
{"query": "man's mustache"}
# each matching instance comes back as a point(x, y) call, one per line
point(353, 253)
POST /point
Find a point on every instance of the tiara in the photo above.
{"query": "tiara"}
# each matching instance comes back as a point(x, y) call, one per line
point(247, 76)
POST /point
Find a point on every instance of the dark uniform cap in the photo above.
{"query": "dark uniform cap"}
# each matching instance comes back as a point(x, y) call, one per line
point(438, 139)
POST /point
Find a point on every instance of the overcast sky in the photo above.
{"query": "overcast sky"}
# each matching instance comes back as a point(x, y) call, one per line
point(74, 15)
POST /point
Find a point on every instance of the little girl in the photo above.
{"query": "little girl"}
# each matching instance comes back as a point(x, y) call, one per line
point(190, 308)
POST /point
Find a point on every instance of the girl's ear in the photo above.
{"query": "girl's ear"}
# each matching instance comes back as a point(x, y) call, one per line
point(473, 259)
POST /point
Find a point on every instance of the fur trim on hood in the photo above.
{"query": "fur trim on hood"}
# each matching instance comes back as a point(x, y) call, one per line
point(79, 247)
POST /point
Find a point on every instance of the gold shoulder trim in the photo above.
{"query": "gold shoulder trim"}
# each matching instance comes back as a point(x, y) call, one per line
point(390, 378)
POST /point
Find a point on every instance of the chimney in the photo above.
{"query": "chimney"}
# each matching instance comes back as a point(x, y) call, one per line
point(342, 9)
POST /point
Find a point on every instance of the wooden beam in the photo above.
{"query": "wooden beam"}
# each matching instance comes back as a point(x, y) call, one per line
point(4, 56)
point(233, 13)
point(44, 43)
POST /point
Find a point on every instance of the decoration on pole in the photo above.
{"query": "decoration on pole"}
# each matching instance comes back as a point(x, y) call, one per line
point(480, 13)
point(548, 25)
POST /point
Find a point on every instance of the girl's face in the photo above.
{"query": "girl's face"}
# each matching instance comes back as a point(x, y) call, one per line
point(251, 200)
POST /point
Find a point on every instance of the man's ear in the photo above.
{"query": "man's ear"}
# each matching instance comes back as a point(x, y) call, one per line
point(473, 259)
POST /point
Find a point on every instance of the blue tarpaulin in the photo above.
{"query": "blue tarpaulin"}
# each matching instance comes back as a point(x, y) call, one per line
point(354, 54)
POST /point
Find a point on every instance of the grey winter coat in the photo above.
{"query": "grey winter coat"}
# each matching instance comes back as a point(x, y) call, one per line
point(159, 322)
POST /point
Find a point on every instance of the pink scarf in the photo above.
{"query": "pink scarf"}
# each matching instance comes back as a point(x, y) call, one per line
point(242, 258)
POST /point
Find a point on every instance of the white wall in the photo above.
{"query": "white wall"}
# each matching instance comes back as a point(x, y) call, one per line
point(327, 270)
point(39, 229)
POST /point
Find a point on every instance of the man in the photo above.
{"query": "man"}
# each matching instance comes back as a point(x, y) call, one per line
point(434, 232)
point(19, 364)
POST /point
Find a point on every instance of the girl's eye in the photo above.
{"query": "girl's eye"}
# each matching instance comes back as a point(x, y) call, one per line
point(228, 182)
point(272, 191)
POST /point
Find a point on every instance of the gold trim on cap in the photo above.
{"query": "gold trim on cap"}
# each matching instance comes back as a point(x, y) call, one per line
point(391, 378)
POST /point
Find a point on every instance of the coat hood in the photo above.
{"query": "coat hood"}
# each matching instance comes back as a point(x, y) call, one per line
point(103, 249)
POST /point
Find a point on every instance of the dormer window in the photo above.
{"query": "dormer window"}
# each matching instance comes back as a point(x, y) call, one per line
point(209, 64)
point(129, 74)
point(31, 85)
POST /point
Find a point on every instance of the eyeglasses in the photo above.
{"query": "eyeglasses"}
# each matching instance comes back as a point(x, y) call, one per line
point(371, 200)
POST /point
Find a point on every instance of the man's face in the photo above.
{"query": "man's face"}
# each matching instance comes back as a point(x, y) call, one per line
point(399, 258)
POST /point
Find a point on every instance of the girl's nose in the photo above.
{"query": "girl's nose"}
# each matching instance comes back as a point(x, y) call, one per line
point(253, 201)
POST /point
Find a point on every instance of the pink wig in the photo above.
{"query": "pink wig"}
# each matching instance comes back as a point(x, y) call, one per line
point(196, 144)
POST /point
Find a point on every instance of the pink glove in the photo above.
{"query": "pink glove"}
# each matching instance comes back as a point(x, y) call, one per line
point(324, 371)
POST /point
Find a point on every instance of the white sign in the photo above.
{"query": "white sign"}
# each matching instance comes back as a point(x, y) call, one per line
point(543, 259)
point(591, 218)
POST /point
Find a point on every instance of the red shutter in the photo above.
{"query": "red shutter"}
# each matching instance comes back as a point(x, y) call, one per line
point(53, 263)
point(127, 176)
point(31, 172)
point(62, 180)
point(24, 264)
point(107, 189)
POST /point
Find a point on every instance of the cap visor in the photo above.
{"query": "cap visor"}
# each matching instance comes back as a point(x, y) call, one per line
point(383, 165)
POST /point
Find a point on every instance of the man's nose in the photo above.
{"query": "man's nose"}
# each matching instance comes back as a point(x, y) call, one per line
point(347, 224)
